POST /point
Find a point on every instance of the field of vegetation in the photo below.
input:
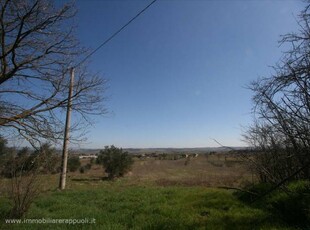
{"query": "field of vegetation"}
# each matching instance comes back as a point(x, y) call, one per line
point(155, 194)
point(265, 186)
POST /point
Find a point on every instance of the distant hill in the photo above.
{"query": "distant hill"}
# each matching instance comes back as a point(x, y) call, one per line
point(162, 150)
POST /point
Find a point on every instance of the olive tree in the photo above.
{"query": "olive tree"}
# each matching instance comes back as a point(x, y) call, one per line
point(116, 162)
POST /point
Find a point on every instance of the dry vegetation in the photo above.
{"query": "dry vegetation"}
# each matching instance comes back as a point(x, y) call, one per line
point(155, 194)
point(205, 170)
point(215, 170)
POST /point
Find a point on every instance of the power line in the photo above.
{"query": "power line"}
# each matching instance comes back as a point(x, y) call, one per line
point(114, 34)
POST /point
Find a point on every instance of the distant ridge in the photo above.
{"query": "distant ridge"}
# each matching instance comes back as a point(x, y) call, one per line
point(163, 150)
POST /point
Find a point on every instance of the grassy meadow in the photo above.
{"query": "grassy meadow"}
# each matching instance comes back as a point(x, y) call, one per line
point(155, 194)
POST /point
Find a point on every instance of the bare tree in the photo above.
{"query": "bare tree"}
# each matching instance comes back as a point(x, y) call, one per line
point(37, 49)
point(282, 109)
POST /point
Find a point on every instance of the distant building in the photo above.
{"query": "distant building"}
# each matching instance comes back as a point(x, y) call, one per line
point(88, 156)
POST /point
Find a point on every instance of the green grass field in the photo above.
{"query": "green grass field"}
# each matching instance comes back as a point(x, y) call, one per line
point(142, 201)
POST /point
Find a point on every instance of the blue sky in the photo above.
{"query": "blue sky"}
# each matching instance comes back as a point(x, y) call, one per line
point(177, 75)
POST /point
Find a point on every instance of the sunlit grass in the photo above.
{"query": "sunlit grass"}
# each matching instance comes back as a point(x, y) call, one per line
point(156, 195)
point(115, 206)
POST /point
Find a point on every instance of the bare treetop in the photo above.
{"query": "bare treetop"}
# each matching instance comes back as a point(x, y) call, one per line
point(37, 50)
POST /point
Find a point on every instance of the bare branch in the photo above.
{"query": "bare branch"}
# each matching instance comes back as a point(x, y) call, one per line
point(37, 48)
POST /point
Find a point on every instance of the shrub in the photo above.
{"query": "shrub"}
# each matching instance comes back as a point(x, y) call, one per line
point(23, 185)
point(73, 164)
point(293, 204)
point(3, 146)
point(99, 159)
point(50, 161)
point(251, 192)
point(20, 165)
point(116, 162)
point(23, 189)
point(85, 168)
point(290, 204)
point(88, 166)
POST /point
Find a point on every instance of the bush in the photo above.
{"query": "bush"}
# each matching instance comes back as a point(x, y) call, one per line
point(290, 204)
point(50, 161)
point(20, 165)
point(293, 204)
point(23, 185)
point(3, 146)
point(116, 162)
point(44, 160)
point(252, 191)
point(73, 164)
point(85, 168)
point(88, 166)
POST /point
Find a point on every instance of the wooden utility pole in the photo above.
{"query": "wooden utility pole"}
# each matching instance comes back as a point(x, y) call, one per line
point(63, 174)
